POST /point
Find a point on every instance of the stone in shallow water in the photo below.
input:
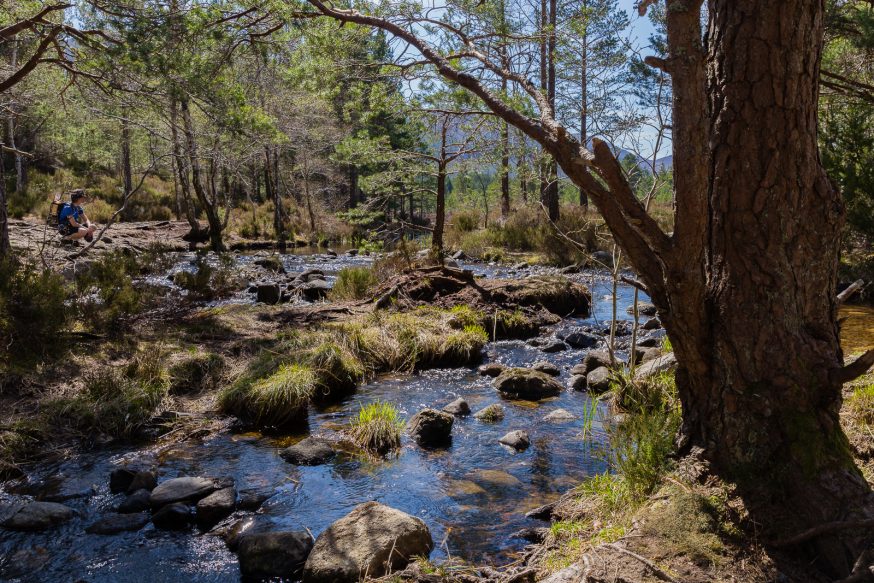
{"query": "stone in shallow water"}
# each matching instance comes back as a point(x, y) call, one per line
point(457, 407)
point(311, 451)
point(518, 440)
point(430, 427)
point(560, 416)
point(546, 367)
point(253, 498)
point(117, 523)
point(595, 359)
point(370, 540)
point(216, 506)
point(490, 414)
point(188, 488)
point(552, 346)
point(273, 554)
point(136, 502)
point(143, 480)
point(175, 516)
point(491, 369)
point(577, 382)
point(494, 479)
point(598, 381)
point(38, 516)
point(527, 384)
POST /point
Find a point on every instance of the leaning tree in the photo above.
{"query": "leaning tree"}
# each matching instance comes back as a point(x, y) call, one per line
point(745, 285)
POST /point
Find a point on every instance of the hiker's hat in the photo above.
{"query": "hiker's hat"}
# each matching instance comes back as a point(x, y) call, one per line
point(77, 194)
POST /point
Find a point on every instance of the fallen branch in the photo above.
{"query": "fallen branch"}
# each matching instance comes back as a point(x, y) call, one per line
point(851, 289)
point(657, 571)
point(821, 529)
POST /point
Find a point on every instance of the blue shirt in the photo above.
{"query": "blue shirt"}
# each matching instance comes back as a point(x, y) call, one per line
point(71, 210)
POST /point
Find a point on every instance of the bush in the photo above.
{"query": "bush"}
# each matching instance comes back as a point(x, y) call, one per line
point(32, 308)
point(353, 283)
point(465, 221)
point(377, 428)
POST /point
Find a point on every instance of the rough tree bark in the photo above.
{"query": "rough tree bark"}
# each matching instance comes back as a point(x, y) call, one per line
point(745, 285)
point(5, 247)
point(584, 90)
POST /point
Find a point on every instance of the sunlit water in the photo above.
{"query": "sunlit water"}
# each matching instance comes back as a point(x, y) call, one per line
point(472, 494)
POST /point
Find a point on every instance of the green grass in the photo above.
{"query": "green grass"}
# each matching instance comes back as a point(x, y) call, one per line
point(377, 428)
point(353, 283)
point(275, 401)
point(861, 404)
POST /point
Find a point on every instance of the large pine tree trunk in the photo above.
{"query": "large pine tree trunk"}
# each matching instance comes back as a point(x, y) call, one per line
point(763, 396)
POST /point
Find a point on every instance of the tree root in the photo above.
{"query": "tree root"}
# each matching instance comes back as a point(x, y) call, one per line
point(822, 529)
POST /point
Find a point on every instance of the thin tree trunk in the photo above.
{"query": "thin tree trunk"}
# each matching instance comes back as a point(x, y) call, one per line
point(584, 91)
point(20, 179)
point(126, 171)
point(209, 207)
point(309, 199)
point(505, 132)
point(5, 247)
point(552, 201)
point(440, 212)
point(182, 172)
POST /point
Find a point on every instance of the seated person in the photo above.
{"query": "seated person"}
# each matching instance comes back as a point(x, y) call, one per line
point(73, 223)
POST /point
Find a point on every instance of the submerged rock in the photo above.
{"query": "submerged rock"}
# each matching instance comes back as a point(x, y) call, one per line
point(598, 381)
point(560, 416)
point(117, 523)
point(457, 407)
point(273, 554)
point(546, 367)
point(216, 506)
point(253, 498)
point(430, 427)
point(311, 451)
point(187, 489)
point(370, 541)
point(517, 439)
point(523, 383)
point(38, 516)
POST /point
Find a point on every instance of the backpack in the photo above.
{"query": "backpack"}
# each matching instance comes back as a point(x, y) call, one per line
point(55, 208)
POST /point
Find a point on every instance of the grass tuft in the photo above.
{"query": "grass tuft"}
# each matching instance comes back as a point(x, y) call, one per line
point(353, 283)
point(377, 428)
point(274, 401)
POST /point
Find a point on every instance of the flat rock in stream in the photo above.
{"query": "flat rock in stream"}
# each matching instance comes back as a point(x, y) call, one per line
point(311, 451)
point(527, 384)
point(143, 480)
point(185, 489)
point(553, 346)
point(37, 516)
point(116, 523)
point(370, 541)
point(559, 416)
point(579, 338)
point(595, 359)
point(265, 555)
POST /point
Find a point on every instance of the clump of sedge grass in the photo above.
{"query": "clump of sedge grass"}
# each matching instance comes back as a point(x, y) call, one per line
point(353, 283)
point(861, 404)
point(274, 401)
point(197, 372)
point(377, 428)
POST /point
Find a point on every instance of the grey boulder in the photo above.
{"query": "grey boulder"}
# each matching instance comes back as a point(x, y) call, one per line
point(38, 516)
point(117, 523)
point(518, 440)
point(598, 381)
point(185, 489)
point(216, 506)
point(312, 451)
point(457, 407)
point(370, 541)
point(546, 367)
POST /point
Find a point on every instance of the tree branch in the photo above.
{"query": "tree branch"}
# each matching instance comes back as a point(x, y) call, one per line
point(853, 370)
